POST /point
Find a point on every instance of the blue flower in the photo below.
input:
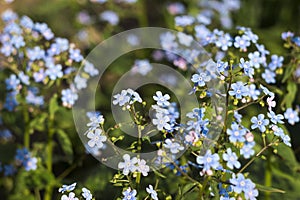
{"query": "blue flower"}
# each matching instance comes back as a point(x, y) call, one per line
point(286, 140)
point(90, 69)
point(30, 164)
point(22, 155)
point(237, 116)
point(161, 121)
point(54, 71)
point(67, 188)
point(44, 30)
point(200, 79)
point(161, 100)
point(199, 124)
point(9, 170)
point(129, 194)
point(185, 20)
point(75, 55)
point(68, 97)
point(247, 150)
point(252, 37)
point(262, 50)
point(110, 17)
point(209, 160)
point(269, 76)
point(11, 101)
point(286, 35)
point(236, 134)
point(296, 40)
point(266, 91)
point(142, 66)
point(253, 92)
point(5, 134)
point(221, 66)
point(12, 83)
point(255, 59)
point(17, 41)
point(152, 192)
point(291, 115)
point(231, 158)
point(224, 42)
point(39, 76)
point(259, 122)
point(173, 146)
point(275, 118)
point(239, 183)
point(23, 78)
point(80, 82)
point(276, 62)
point(35, 54)
point(87, 194)
point(242, 42)
point(248, 70)
point(26, 22)
point(238, 90)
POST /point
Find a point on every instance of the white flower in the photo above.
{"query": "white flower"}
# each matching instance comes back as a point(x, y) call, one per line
point(152, 192)
point(96, 138)
point(86, 194)
point(142, 167)
point(162, 100)
point(68, 188)
point(128, 165)
point(161, 121)
point(70, 197)
point(173, 146)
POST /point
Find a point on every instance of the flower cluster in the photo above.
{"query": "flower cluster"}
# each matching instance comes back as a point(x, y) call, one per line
point(86, 194)
point(43, 60)
point(24, 159)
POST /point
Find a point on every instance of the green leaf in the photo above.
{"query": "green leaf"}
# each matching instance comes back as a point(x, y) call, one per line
point(188, 188)
point(65, 144)
point(53, 106)
point(288, 156)
point(290, 96)
point(288, 73)
point(268, 189)
point(38, 122)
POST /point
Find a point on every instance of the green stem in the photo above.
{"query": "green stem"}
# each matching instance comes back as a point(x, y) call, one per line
point(143, 20)
point(202, 191)
point(268, 178)
point(49, 151)
point(26, 122)
point(256, 156)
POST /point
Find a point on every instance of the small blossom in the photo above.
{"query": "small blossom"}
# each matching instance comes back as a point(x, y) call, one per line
point(142, 167)
point(96, 138)
point(67, 188)
point(87, 194)
point(70, 197)
point(173, 146)
point(259, 122)
point(238, 90)
point(209, 160)
point(232, 159)
point(161, 100)
point(236, 134)
point(129, 194)
point(128, 165)
point(152, 192)
point(291, 115)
